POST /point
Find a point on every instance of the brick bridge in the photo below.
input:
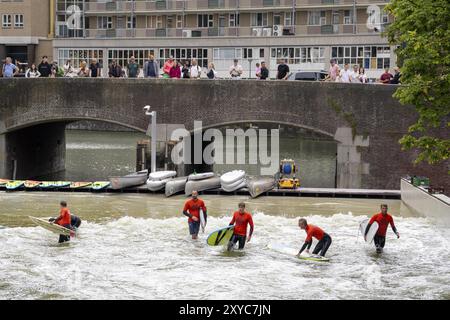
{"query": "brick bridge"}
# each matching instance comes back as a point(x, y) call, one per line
point(364, 120)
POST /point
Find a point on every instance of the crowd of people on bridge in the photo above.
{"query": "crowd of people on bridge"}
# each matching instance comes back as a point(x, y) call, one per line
point(186, 69)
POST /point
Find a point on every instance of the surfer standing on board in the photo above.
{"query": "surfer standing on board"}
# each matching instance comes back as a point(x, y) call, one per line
point(63, 220)
point(241, 219)
point(384, 219)
point(313, 231)
point(192, 210)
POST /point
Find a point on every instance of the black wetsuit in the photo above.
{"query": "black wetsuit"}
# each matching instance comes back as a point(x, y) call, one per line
point(75, 221)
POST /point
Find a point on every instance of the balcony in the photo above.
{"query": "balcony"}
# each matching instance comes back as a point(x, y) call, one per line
point(218, 32)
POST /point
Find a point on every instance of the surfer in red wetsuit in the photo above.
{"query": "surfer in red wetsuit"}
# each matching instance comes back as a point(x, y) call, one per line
point(192, 211)
point(313, 231)
point(241, 219)
point(63, 220)
point(383, 219)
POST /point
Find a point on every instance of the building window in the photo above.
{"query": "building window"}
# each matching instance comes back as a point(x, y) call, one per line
point(122, 56)
point(18, 21)
point(259, 19)
point(288, 20)
point(348, 17)
point(131, 22)
point(234, 20)
point(205, 20)
point(179, 21)
point(76, 56)
point(298, 55)
point(104, 22)
point(6, 21)
point(276, 19)
point(317, 18)
point(184, 54)
point(369, 57)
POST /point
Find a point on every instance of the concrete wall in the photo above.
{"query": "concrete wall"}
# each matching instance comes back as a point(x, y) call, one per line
point(365, 119)
point(421, 202)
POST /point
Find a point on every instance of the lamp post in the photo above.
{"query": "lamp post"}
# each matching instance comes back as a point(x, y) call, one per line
point(250, 64)
point(151, 131)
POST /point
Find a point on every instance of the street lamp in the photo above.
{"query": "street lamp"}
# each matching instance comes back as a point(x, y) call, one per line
point(151, 131)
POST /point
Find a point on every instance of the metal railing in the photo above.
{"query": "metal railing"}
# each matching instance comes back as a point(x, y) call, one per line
point(254, 32)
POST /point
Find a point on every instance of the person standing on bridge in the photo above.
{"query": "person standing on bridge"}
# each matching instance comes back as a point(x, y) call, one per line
point(283, 70)
point(9, 69)
point(191, 210)
point(383, 219)
point(132, 68)
point(45, 69)
point(151, 67)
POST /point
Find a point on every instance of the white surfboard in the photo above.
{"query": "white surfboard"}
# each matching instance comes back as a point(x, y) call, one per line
point(200, 176)
point(281, 248)
point(242, 184)
point(372, 231)
point(232, 176)
point(233, 184)
point(162, 175)
point(202, 220)
point(53, 227)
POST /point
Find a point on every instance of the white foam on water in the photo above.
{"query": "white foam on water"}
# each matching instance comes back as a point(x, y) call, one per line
point(145, 258)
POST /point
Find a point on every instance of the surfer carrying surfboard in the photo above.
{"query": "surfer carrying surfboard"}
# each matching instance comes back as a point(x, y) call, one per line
point(192, 209)
point(241, 219)
point(383, 219)
point(314, 231)
point(63, 220)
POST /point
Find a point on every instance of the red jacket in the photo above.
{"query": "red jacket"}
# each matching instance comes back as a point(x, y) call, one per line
point(175, 72)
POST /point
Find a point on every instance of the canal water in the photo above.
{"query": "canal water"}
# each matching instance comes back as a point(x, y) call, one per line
point(133, 246)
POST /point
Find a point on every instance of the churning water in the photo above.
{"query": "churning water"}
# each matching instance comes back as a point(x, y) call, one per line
point(138, 247)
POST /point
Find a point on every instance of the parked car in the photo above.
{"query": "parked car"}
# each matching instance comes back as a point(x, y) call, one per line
point(308, 75)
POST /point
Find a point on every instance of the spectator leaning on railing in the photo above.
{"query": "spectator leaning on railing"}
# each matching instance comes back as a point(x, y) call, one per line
point(32, 72)
point(195, 71)
point(212, 73)
point(115, 70)
point(283, 70)
point(264, 74)
point(386, 77)
point(151, 67)
point(45, 68)
point(236, 70)
point(9, 70)
point(95, 70)
point(133, 68)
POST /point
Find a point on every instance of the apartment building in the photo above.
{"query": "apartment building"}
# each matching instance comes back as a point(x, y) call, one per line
point(25, 31)
point(308, 33)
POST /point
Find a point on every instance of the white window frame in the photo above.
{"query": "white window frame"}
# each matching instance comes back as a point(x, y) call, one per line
point(18, 21)
point(179, 23)
point(103, 21)
point(348, 17)
point(288, 18)
point(159, 22)
point(278, 15)
point(314, 18)
point(264, 19)
point(233, 20)
point(131, 22)
point(6, 21)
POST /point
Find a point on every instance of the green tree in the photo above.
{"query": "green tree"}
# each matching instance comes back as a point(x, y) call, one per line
point(421, 30)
